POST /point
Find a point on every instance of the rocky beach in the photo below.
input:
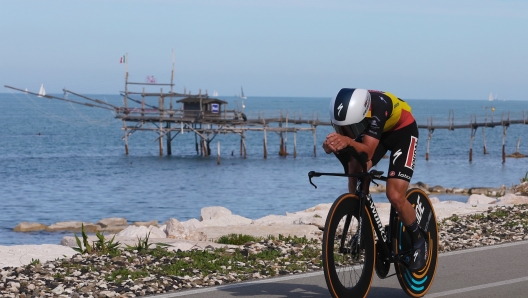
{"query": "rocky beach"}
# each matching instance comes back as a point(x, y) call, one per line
point(281, 244)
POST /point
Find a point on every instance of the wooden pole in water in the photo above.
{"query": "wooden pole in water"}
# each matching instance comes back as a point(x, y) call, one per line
point(161, 123)
point(126, 137)
point(294, 144)
point(169, 147)
point(143, 103)
point(286, 136)
point(484, 138)
point(125, 104)
point(281, 147)
point(218, 154)
point(314, 136)
point(473, 130)
point(315, 140)
point(429, 136)
point(504, 127)
point(196, 143)
point(200, 146)
point(244, 145)
point(265, 140)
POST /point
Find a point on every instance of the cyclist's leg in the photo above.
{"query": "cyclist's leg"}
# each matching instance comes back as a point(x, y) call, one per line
point(402, 144)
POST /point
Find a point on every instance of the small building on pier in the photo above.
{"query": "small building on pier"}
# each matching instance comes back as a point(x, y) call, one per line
point(205, 106)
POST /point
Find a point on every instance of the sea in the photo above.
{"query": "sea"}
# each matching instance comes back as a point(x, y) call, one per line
point(62, 161)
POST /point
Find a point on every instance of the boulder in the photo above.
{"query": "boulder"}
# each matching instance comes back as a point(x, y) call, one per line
point(458, 190)
point(177, 230)
point(214, 212)
point(422, 185)
point(434, 200)
point(221, 216)
point(324, 207)
point(486, 191)
point(142, 232)
point(29, 227)
point(73, 226)
point(231, 220)
point(146, 223)
point(480, 199)
point(437, 189)
point(513, 199)
point(112, 221)
point(114, 229)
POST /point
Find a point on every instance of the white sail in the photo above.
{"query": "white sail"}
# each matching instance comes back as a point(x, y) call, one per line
point(242, 93)
point(42, 91)
point(491, 96)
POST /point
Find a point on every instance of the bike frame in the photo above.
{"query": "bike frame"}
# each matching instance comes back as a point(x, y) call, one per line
point(365, 200)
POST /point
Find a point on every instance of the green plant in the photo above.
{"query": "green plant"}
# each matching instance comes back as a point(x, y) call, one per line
point(34, 262)
point(237, 239)
point(87, 247)
point(104, 246)
point(142, 246)
point(101, 246)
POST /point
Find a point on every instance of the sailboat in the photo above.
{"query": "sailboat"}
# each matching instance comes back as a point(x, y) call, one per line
point(490, 98)
point(42, 91)
point(242, 93)
point(215, 93)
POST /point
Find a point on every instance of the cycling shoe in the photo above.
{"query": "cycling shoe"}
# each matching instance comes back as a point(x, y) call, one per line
point(418, 258)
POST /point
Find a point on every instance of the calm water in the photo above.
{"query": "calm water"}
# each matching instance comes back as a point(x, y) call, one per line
point(62, 162)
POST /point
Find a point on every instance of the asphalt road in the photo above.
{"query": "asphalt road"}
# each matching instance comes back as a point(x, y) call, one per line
point(492, 271)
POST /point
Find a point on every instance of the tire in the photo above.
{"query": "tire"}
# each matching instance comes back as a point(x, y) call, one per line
point(347, 274)
point(416, 284)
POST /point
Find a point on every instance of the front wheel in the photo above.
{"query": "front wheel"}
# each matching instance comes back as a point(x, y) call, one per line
point(416, 284)
point(348, 255)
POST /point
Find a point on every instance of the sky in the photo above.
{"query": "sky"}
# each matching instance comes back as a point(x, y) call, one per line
point(414, 49)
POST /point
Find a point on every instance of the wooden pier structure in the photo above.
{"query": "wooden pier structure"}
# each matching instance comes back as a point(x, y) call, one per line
point(207, 117)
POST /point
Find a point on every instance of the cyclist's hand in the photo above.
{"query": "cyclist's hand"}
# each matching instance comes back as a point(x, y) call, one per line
point(335, 142)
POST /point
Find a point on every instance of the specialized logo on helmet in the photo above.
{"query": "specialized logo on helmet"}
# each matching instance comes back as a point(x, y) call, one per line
point(341, 103)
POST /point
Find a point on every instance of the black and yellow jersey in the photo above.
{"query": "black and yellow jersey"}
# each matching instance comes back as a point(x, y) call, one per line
point(387, 113)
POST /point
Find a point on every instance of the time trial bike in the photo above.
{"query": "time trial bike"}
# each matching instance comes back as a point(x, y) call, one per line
point(356, 243)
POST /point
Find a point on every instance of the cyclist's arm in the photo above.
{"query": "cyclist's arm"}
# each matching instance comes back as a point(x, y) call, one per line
point(368, 145)
point(336, 142)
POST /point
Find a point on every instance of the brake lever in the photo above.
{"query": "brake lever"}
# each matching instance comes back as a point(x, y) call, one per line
point(313, 174)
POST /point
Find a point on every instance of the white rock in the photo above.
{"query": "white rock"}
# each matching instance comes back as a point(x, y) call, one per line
point(480, 199)
point(142, 232)
point(177, 230)
point(513, 199)
point(112, 221)
point(213, 212)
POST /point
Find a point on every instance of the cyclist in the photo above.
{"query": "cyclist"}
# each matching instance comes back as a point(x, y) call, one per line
point(375, 122)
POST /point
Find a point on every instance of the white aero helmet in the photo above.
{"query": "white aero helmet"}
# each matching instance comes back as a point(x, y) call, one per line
point(348, 111)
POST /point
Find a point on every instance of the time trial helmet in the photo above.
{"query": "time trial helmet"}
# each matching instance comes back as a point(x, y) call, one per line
point(348, 111)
